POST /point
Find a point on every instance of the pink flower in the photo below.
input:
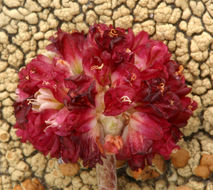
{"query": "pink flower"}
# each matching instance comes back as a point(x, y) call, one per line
point(108, 92)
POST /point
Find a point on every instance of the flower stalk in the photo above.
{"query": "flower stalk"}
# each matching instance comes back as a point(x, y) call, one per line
point(106, 173)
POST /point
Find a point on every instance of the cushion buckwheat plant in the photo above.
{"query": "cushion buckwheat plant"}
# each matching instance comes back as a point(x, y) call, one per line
point(103, 96)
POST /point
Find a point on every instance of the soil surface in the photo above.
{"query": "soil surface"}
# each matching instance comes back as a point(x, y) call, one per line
point(186, 26)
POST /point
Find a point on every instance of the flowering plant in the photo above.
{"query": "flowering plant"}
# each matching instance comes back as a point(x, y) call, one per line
point(103, 96)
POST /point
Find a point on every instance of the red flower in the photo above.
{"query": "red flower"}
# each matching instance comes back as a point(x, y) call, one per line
point(69, 47)
point(108, 92)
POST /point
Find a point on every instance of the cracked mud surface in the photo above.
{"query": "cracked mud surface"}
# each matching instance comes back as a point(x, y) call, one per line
point(186, 26)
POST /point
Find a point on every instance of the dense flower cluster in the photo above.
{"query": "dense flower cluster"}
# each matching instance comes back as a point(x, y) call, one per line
point(107, 92)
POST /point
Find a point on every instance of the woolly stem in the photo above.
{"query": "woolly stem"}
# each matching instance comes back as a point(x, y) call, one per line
point(106, 174)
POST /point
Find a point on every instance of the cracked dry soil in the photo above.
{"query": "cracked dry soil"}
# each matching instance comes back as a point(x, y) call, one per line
point(186, 26)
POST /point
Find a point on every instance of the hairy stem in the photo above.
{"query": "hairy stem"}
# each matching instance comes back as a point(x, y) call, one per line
point(106, 173)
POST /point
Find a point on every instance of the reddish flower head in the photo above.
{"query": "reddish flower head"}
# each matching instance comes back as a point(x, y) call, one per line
point(108, 92)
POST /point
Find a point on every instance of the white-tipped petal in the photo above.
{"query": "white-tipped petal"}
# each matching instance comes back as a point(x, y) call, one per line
point(44, 99)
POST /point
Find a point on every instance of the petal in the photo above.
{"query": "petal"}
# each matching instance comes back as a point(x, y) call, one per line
point(70, 47)
point(118, 100)
point(70, 149)
point(87, 121)
point(145, 125)
point(21, 95)
point(57, 119)
point(44, 99)
point(96, 64)
point(151, 57)
point(139, 135)
point(21, 110)
point(104, 37)
point(82, 92)
point(65, 122)
point(90, 149)
point(133, 144)
point(126, 74)
point(139, 40)
point(90, 152)
point(165, 146)
point(187, 108)
point(158, 54)
point(167, 106)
